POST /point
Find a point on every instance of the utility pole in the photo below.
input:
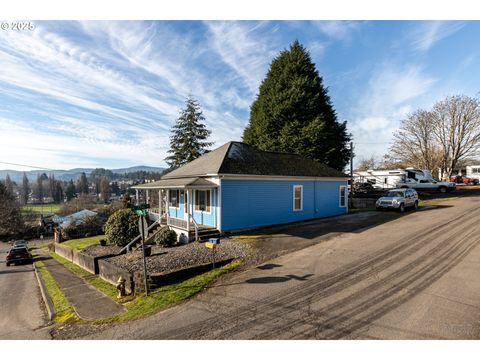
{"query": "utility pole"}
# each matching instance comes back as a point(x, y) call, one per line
point(351, 175)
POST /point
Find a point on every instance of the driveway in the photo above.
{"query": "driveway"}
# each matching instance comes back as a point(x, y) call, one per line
point(415, 277)
point(22, 314)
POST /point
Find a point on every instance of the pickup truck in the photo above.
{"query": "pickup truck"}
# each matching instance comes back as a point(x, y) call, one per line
point(427, 185)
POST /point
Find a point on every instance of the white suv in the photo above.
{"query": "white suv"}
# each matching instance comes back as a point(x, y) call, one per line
point(398, 199)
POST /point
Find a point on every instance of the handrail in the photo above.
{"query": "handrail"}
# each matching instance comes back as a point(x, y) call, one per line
point(138, 237)
point(196, 227)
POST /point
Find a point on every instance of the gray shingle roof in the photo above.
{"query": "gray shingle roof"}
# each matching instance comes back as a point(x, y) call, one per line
point(242, 159)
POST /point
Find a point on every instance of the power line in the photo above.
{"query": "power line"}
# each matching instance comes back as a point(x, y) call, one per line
point(29, 166)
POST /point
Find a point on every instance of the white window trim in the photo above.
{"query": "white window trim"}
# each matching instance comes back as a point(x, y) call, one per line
point(340, 196)
point(301, 197)
point(195, 202)
point(178, 199)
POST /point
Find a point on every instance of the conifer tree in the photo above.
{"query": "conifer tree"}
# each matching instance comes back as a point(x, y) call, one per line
point(293, 112)
point(82, 185)
point(24, 190)
point(189, 136)
point(8, 185)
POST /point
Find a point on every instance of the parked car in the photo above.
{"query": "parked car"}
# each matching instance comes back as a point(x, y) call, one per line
point(20, 243)
point(18, 255)
point(398, 199)
point(459, 179)
point(427, 185)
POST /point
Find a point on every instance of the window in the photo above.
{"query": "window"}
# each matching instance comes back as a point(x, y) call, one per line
point(173, 198)
point(343, 196)
point(297, 197)
point(202, 200)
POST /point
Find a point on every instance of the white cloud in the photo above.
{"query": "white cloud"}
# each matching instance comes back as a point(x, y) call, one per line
point(391, 93)
point(429, 33)
point(337, 30)
point(246, 54)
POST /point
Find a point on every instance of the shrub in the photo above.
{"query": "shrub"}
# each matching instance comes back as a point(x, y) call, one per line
point(121, 227)
point(166, 237)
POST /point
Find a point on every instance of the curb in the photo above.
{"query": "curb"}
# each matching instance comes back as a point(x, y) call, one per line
point(46, 299)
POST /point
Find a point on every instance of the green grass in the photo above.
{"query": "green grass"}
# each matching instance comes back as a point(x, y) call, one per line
point(63, 309)
point(80, 244)
point(105, 287)
point(167, 296)
point(41, 208)
point(159, 299)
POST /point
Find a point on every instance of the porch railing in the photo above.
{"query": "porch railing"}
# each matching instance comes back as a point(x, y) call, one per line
point(195, 226)
point(179, 223)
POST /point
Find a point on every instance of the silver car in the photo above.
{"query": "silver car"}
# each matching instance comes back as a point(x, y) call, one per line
point(398, 199)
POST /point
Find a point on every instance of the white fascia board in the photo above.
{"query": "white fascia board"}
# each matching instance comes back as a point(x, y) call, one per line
point(284, 178)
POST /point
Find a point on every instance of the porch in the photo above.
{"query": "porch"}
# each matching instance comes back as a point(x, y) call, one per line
point(187, 205)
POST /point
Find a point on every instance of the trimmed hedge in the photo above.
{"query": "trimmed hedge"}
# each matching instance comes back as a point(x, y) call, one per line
point(166, 237)
point(121, 227)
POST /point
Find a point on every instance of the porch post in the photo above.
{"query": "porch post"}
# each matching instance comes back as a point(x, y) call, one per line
point(136, 197)
point(147, 200)
point(189, 198)
point(160, 202)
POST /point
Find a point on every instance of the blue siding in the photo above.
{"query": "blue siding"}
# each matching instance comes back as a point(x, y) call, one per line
point(178, 212)
point(200, 217)
point(253, 203)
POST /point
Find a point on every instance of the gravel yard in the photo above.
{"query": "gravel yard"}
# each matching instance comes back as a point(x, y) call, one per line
point(181, 256)
point(98, 250)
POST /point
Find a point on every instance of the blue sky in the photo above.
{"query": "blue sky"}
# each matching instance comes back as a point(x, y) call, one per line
point(105, 94)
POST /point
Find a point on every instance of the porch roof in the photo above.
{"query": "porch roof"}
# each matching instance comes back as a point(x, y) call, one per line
point(180, 183)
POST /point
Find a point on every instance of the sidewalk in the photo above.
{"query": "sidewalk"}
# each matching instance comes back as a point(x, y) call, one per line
point(88, 302)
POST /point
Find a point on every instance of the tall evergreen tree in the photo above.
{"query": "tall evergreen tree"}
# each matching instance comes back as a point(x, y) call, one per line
point(82, 185)
point(40, 194)
point(24, 190)
point(8, 185)
point(189, 136)
point(70, 190)
point(293, 112)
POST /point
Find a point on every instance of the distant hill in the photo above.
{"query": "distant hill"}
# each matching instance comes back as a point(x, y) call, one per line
point(73, 174)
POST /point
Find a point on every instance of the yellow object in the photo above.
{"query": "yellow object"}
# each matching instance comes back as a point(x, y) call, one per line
point(210, 245)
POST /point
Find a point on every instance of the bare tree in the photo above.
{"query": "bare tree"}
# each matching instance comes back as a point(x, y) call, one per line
point(367, 163)
point(415, 143)
point(439, 138)
point(456, 126)
point(11, 221)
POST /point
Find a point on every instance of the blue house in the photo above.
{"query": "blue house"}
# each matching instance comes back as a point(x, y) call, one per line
point(237, 187)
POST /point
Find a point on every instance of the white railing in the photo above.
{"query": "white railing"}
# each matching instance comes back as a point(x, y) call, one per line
point(196, 227)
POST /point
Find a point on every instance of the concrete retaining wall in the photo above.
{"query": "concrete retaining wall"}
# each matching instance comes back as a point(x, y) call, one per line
point(110, 273)
point(87, 262)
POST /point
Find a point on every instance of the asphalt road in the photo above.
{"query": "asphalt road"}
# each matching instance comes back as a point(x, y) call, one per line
point(415, 277)
point(22, 314)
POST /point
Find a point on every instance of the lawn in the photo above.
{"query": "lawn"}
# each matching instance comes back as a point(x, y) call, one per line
point(80, 244)
point(41, 208)
point(159, 299)
point(63, 309)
